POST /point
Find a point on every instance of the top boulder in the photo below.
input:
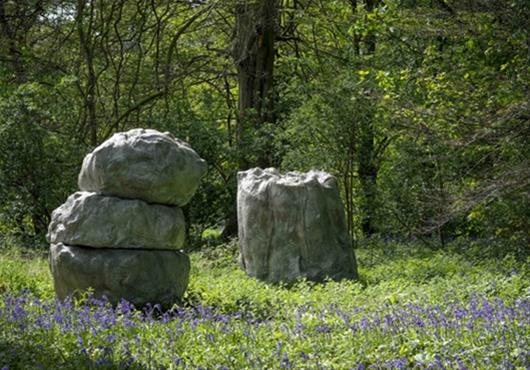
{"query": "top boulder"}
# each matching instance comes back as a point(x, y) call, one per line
point(143, 164)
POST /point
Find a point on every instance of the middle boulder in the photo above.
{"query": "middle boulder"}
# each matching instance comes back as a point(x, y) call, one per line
point(94, 220)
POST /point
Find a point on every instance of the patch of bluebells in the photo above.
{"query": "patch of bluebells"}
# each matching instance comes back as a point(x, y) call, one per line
point(24, 316)
point(500, 329)
point(414, 335)
point(478, 313)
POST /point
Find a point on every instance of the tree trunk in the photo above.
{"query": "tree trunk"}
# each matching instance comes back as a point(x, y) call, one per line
point(367, 171)
point(253, 53)
point(370, 37)
point(16, 20)
point(368, 168)
point(87, 51)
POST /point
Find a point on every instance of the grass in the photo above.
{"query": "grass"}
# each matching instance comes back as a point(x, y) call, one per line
point(461, 308)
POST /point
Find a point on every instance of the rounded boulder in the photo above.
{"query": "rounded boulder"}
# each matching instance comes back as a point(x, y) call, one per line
point(139, 276)
point(99, 221)
point(143, 164)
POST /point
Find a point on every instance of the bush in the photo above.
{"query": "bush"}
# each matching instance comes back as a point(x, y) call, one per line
point(38, 167)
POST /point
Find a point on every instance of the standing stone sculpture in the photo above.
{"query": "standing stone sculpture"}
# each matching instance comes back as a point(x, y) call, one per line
point(292, 226)
point(121, 235)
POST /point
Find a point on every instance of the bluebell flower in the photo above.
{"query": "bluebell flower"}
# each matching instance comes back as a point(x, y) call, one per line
point(364, 324)
point(285, 363)
point(323, 328)
point(439, 362)
point(279, 346)
point(399, 363)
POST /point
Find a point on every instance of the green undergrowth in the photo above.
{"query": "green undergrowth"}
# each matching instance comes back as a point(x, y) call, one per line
point(24, 269)
point(411, 308)
point(396, 274)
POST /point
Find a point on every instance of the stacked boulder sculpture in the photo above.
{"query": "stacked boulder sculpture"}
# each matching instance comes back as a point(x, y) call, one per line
point(121, 234)
point(292, 226)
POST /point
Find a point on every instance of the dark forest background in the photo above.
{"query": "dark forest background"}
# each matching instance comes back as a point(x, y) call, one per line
point(420, 108)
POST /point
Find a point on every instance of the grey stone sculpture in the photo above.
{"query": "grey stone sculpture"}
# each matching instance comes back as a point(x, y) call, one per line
point(121, 234)
point(292, 226)
point(90, 219)
point(143, 164)
point(140, 276)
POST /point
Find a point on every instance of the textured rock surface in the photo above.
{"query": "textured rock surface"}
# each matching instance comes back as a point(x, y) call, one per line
point(89, 219)
point(143, 164)
point(139, 276)
point(292, 226)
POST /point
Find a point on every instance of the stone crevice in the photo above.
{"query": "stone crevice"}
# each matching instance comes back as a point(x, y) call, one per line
point(125, 248)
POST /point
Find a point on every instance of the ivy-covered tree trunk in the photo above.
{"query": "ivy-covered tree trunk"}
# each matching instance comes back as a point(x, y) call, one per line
point(367, 152)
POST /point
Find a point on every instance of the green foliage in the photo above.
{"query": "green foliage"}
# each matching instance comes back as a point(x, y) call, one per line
point(420, 108)
point(35, 164)
point(446, 307)
point(25, 270)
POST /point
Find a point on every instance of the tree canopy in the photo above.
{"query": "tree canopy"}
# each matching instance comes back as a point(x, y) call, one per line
point(420, 108)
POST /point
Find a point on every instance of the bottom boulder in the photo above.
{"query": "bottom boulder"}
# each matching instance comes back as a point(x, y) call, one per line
point(139, 276)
